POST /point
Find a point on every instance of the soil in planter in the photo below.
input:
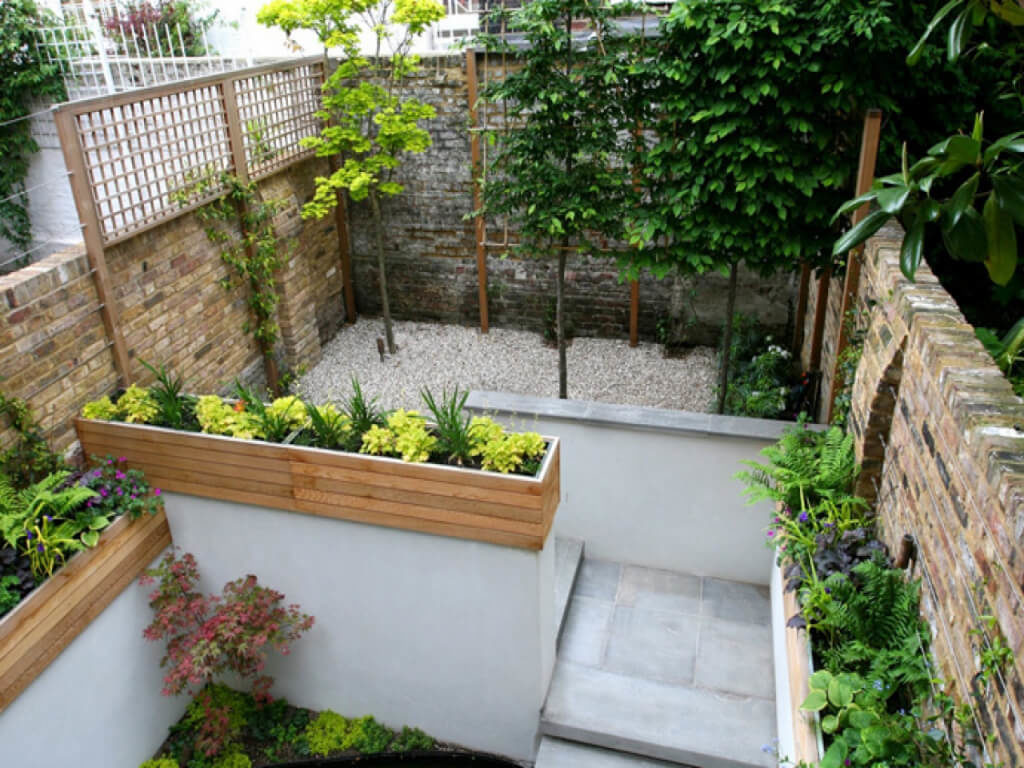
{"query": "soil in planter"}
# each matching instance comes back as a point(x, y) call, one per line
point(274, 736)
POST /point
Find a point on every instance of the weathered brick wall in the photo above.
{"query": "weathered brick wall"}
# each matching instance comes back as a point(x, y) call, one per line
point(53, 347)
point(941, 435)
point(173, 310)
point(430, 249)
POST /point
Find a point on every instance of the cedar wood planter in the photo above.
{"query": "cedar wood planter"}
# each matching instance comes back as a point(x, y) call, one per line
point(502, 509)
point(806, 736)
point(46, 622)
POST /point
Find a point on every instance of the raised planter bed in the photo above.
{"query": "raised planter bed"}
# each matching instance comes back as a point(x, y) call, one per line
point(44, 623)
point(450, 501)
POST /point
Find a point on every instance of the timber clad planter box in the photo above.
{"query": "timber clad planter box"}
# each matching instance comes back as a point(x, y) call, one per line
point(50, 618)
point(510, 510)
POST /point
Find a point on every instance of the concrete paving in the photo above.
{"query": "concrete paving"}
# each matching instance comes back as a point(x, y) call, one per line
point(568, 557)
point(667, 665)
point(555, 753)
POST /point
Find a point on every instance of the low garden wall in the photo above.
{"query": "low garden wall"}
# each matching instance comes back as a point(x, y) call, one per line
point(650, 486)
point(454, 636)
point(53, 348)
point(941, 438)
point(92, 699)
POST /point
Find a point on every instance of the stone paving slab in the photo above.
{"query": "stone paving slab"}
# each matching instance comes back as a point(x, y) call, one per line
point(676, 723)
point(665, 664)
point(555, 753)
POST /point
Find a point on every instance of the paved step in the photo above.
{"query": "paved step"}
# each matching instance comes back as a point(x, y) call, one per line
point(667, 665)
point(692, 726)
point(555, 753)
point(568, 556)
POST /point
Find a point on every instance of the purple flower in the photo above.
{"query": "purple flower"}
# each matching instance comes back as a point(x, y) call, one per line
point(28, 534)
point(121, 459)
point(103, 492)
point(828, 525)
point(771, 533)
point(110, 461)
point(778, 520)
point(40, 547)
point(156, 491)
point(119, 475)
point(120, 492)
point(803, 517)
point(49, 518)
point(134, 496)
point(828, 591)
point(97, 473)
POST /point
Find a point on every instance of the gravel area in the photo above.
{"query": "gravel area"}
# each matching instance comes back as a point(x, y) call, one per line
point(441, 356)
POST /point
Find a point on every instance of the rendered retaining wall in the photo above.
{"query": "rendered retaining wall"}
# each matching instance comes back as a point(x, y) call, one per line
point(650, 486)
point(941, 438)
point(456, 637)
point(98, 704)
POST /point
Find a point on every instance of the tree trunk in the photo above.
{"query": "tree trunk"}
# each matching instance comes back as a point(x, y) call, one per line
point(563, 371)
point(270, 369)
point(385, 309)
point(723, 372)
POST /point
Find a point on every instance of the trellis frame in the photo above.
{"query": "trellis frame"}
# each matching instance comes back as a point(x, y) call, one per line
point(137, 160)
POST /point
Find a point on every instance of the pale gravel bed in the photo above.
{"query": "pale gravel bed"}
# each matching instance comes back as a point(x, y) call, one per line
point(439, 356)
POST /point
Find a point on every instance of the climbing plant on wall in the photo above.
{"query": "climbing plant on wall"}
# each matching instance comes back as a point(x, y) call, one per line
point(27, 80)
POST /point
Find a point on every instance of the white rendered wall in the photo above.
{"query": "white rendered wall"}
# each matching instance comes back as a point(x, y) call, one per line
point(453, 636)
point(652, 487)
point(98, 704)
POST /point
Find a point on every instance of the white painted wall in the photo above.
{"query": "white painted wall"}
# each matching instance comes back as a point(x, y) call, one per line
point(98, 704)
point(652, 487)
point(783, 695)
point(455, 637)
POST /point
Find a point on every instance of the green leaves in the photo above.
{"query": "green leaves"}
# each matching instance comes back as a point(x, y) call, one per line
point(1001, 260)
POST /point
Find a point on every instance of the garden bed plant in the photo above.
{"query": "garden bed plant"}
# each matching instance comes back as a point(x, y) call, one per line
point(874, 689)
point(359, 425)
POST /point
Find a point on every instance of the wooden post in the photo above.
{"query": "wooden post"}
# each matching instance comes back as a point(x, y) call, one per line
point(480, 226)
point(634, 313)
point(800, 320)
point(241, 168)
point(819, 317)
point(85, 204)
point(865, 177)
point(345, 247)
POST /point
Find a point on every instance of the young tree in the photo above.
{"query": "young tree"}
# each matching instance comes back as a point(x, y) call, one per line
point(758, 128)
point(558, 171)
point(369, 125)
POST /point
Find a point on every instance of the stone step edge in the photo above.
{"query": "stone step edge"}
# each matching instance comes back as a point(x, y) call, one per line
point(563, 596)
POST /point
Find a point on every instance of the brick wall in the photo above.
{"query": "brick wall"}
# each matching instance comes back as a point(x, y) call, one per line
point(430, 249)
point(173, 310)
point(941, 438)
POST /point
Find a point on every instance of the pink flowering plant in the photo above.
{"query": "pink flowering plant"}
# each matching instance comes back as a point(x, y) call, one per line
point(209, 636)
point(119, 490)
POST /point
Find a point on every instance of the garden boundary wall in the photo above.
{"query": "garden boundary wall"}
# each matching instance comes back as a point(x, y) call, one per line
point(940, 435)
point(430, 245)
point(649, 486)
point(56, 354)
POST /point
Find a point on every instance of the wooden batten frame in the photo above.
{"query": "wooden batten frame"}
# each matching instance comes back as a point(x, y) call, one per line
point(480, 226)
point(851, 284)
point(74, 158)
point(49, 619)
point(798, 654)
point(444, 500)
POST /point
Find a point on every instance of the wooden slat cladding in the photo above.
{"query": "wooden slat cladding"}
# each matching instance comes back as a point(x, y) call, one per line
point(49, 619)
point(449, 501)
point(805, 735)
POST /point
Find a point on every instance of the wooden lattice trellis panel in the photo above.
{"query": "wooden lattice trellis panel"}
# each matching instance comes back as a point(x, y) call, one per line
point(153, 154)
point(150, 157)
point(277, 110)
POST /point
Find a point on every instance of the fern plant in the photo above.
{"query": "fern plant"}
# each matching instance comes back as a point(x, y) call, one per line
point(19, 509)
point(803, 469)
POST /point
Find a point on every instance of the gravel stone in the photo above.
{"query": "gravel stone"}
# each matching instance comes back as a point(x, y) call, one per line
point(439, 357)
